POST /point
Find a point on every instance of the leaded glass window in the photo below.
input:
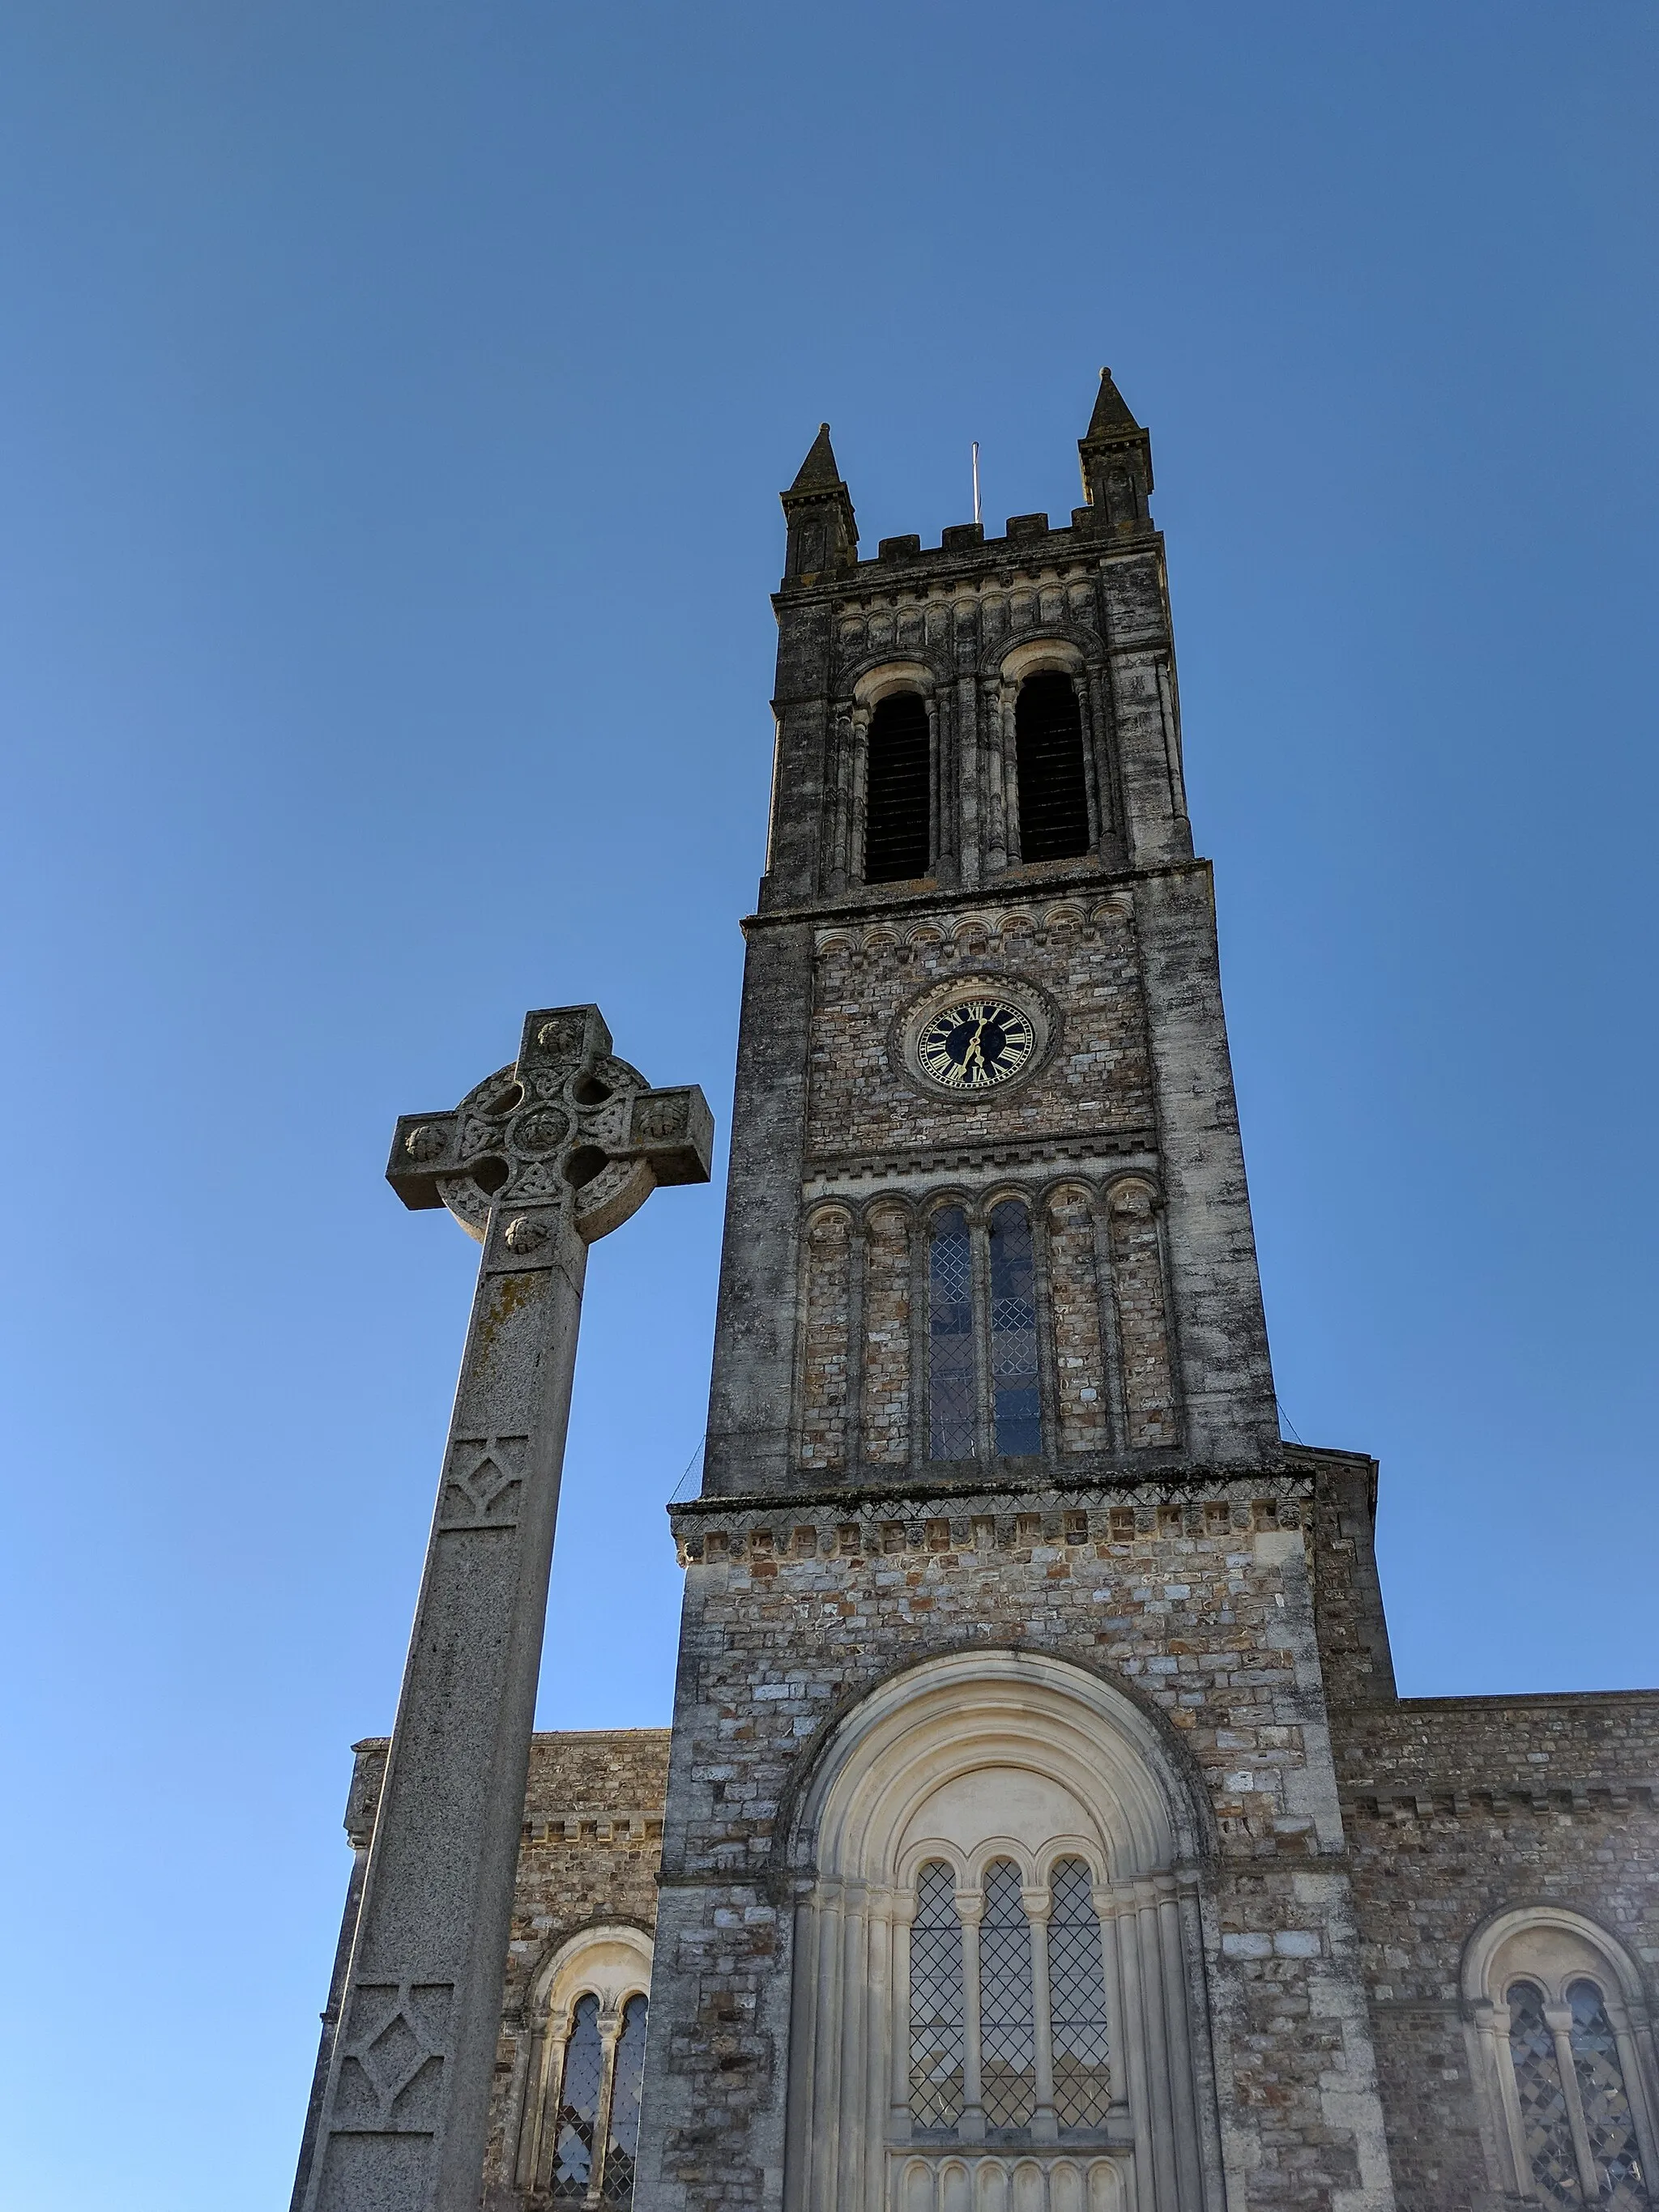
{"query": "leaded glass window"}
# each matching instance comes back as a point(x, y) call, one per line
point(1007, 2032)
point(1076, 2000)
point(936, 2003)
point(952, 1374)
point(628, 2072)
point(579, 2102)
point(1605, 2099)
point(1545, 2127)
point(1016, 1404)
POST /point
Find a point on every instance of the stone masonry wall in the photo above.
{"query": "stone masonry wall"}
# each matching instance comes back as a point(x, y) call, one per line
point(1456, 1808)
point(593, 1838)
point(1098, 1078)
point(1200, 1604)
point(1080, 1367)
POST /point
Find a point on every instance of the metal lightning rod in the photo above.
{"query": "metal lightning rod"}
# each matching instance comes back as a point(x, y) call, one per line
point(977, 513)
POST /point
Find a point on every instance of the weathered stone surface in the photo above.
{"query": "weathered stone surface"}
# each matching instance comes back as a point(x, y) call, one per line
point(537, 1162)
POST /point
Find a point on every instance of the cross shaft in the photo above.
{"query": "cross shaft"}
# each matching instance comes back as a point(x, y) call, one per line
point(537, 1162)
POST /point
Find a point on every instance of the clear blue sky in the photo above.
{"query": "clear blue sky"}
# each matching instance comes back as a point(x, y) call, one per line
point(393, 402)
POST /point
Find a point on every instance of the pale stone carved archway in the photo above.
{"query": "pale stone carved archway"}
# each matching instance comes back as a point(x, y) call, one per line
point(967, 1760)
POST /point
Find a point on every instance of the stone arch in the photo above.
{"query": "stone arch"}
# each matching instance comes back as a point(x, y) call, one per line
point(824, 1350)
point(967, 1759)
point(887, 675)
point(609, 1962)
point(1546, 1955)
point(1143, 1310)
point(1064, 652)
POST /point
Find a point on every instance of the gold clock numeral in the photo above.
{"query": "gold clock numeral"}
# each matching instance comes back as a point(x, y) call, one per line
point(976, 1044)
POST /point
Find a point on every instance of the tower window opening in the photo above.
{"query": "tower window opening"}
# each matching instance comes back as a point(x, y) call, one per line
point(1054, 799)
point(952, 1377)
point(1016, 1403)
point(897, 790)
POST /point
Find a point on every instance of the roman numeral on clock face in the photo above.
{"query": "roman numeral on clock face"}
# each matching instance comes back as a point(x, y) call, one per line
point(975, 1043)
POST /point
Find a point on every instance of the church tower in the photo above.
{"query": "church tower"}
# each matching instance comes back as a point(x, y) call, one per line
point(1000, 1759)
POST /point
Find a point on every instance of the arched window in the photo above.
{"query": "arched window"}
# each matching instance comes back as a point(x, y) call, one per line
point(1054, 799)
point(578, 2115)
point(1565, 2056)
point(897, 791)
point(1599, 2078)
point(1076, 2000)
point(1017, 1404)
point(1007, 2015)
point(936, 2010)
point(622, 2137)
point(952, 1371)
point(578, 2133)
point(986, 1834)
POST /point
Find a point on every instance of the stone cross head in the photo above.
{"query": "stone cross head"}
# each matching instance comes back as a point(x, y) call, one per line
point(568, 1136)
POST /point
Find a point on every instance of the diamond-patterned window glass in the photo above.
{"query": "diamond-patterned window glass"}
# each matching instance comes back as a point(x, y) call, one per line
point(1076, 2000)
point(952, 1377)
point(1545, 2127)
point(1008, 2035)
point(936, 2043)
point(579, 2102)
point(1013, 1332)
point(628, 2071)
point(1607, 2104)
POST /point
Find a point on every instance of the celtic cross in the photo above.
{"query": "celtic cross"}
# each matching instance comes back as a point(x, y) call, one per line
point(536, 1163)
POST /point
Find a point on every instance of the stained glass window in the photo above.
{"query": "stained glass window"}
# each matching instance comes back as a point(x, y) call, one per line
point(1007, 2031)
point(953, 1375)
point(1013, 1332)
point(1076, 2000)
point(1545, 2129)
point(579, 2102)
point(936, 2008)
point(1601, 2092)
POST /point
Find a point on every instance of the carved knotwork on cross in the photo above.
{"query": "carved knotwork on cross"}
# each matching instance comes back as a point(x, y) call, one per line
point(537, 1163)
point(569, 1131)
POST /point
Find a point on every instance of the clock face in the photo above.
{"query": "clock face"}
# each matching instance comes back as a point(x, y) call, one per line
point(976, 1044)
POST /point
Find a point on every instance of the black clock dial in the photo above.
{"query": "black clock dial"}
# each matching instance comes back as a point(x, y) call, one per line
point(976, 1044)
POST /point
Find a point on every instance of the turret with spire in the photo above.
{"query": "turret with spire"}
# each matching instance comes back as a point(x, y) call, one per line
point(823, 533)
point(1116, 454)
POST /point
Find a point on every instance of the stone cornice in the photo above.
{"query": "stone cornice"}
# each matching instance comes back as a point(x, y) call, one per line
point(1010, 889)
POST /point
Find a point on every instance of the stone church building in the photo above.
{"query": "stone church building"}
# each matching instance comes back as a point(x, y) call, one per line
point(1039, 1829)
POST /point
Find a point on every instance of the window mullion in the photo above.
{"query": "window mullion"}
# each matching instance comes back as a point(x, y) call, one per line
point(1045, 2127)
point(545, 2135)
point(970, 1908)
point(610, 2032)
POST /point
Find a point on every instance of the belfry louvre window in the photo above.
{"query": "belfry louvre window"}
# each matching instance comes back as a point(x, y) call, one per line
point(1054, 798)
point(897, 791)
